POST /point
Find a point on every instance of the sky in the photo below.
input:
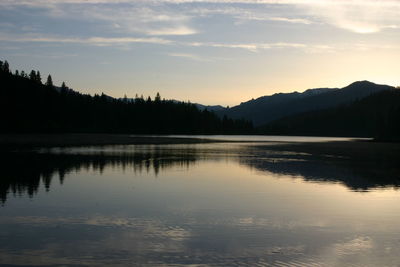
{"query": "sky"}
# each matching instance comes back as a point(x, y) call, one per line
point(204, 51)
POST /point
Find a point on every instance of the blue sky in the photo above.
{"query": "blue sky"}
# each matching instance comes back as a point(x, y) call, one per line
point(211, 52)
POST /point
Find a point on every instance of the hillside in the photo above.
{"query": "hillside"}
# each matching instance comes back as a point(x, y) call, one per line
point(269, 108)
point(28, 106)
point(377, 115)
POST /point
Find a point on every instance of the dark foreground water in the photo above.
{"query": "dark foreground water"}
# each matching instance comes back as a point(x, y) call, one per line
point(200, 205)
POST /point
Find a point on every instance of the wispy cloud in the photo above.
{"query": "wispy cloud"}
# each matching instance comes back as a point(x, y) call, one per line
point(153, 18)
point(181, 30)
point(102, 41)
point(253, 47)
point(190, 56)
point(105, 41)
point(356, 15)
point(122, 16)
point(258, 2)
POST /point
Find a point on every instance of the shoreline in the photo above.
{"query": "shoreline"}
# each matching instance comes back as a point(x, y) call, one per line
point(16, 141)
point(66, 140)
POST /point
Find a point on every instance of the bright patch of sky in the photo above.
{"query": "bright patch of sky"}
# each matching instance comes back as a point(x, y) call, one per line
point(206, 51)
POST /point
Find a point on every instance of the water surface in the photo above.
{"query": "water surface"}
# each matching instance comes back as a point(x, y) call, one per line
point(224, 204)
point(267, 138)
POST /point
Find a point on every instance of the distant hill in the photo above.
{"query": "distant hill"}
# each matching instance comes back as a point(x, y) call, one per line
point(269, 108)
point(214, 108)
point(377, 115)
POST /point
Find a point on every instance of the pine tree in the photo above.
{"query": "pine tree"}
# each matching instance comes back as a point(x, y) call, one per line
point(32, 75)
point(6, 67)
point(49, 81)
point(63, 87)
point(38, 77)
point(157, 99)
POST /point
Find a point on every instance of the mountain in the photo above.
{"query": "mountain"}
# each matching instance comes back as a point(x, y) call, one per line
point(269, 108)
point(377, 115)
point(214, 108)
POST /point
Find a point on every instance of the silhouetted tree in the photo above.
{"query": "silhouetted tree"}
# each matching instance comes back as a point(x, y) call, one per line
point(6, 67)
point(49, 81)
point(32, 75)
point(157, 99)
point(38, 77)
point(63, 87)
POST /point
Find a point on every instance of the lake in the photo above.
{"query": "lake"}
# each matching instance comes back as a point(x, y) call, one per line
point(210, 204)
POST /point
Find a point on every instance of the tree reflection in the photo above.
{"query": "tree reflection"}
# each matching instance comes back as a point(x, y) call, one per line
point(24, 173)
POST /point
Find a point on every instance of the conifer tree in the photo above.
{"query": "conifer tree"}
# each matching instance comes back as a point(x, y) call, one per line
point(38, 77)
point(63, 87)
point(158, 98)
point(6, 67)
point(32, 75)
point(49, 81)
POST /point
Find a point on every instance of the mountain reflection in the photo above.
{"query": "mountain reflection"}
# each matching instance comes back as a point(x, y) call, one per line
point(23, 173)
point(360, 168)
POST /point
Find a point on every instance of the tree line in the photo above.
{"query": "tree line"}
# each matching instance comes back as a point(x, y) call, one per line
point(29, 106)
point(377, 116)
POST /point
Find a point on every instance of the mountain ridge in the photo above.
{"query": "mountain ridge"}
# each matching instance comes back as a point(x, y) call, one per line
point(376, 115)
point(269, 108)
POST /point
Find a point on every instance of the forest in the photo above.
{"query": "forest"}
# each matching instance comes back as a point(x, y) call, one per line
point(28, 105)
point(377, 116)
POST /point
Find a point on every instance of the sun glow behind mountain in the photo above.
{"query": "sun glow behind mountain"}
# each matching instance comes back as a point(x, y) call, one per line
point(211, 52)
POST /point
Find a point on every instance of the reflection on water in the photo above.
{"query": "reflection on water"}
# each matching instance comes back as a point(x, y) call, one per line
point(266, 138)
point(200, 204)
point(23, 172)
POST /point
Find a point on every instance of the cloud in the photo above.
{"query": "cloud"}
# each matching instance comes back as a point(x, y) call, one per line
point(101, 41)
point(253, 47)
point(181, 30)
point(138, 19)
point(113, 41)
point(190, 56)
point(120, 16)
point(291, 20)
point(358, 16)
point(166, 17)
point(279, 19)
point(370, 3)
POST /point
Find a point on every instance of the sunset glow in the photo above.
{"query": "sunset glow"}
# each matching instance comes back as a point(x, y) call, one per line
point(206, 51)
